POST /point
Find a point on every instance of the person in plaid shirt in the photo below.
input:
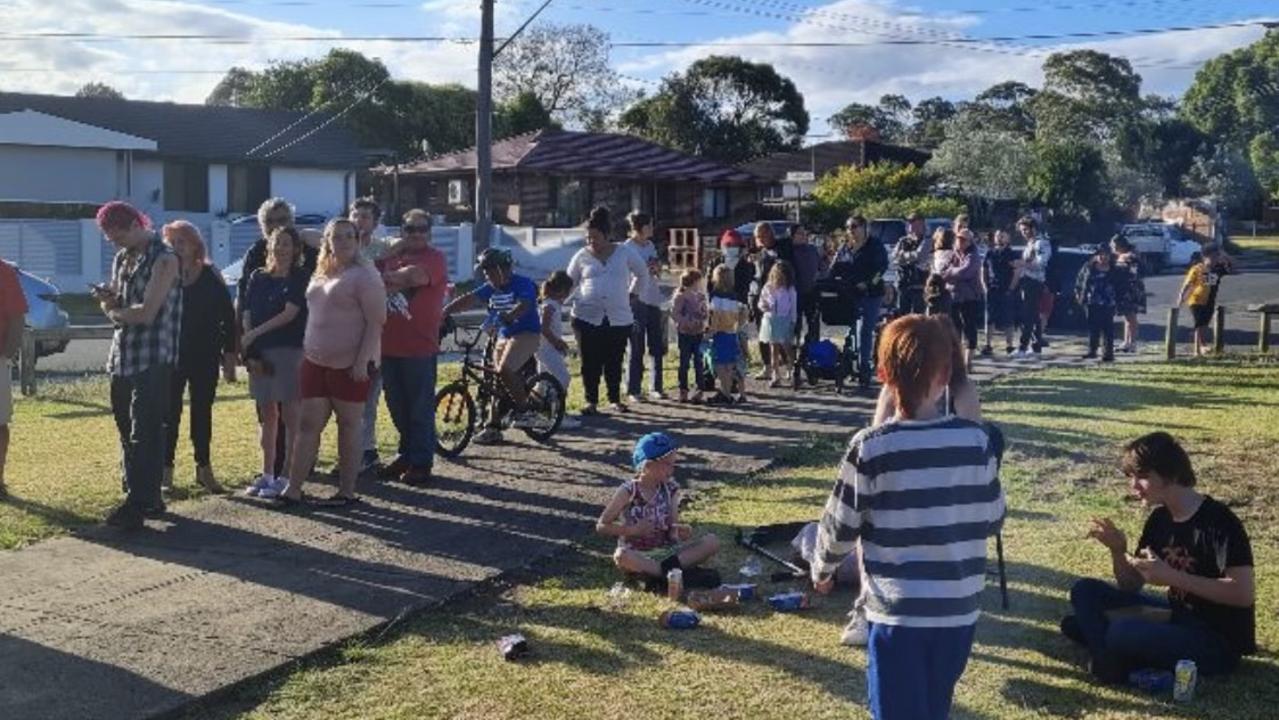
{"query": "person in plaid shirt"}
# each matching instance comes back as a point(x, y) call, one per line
point(144, 303)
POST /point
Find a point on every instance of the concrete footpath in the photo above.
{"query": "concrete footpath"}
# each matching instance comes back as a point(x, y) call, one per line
point(107, 625)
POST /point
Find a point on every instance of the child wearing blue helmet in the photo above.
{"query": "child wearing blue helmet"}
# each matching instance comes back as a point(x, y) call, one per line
point(650, 539)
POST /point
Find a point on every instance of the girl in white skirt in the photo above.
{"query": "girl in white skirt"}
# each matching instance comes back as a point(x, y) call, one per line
point(779, 304)
point(552, 354)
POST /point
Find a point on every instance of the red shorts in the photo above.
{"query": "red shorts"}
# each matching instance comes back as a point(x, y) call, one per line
point(318, 381)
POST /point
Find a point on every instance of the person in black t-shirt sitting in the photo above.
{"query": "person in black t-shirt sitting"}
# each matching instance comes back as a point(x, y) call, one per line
point(1191, 544)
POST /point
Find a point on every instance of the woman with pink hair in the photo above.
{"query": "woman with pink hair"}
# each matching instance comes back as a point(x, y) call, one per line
point(207, 342)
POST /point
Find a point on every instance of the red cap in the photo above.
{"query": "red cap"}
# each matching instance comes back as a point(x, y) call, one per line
point(731, 238)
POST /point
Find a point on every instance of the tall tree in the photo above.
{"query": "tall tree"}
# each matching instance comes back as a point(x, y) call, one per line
point(930, 117)
point(1087, 95)
point(858, 121)
point(1069, 177)
point(99, 90)
point(233, 89)
point(985, 164)
point(522, 114)
point(1235, 97)
point(566, 67)
point(724, 108)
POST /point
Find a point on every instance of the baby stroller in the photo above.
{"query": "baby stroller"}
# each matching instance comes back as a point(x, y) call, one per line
point(822, 359)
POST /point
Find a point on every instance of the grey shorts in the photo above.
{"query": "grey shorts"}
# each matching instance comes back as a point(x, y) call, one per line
point(283, 384)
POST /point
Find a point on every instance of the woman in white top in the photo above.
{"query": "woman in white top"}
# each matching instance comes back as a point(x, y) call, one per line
point(602, 317)
point(648, 333)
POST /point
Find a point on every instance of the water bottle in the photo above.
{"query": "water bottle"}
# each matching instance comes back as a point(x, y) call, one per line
point(1186, 676)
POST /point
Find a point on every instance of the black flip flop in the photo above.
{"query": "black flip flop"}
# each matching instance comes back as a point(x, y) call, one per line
point(284, 503)
point(338, 501)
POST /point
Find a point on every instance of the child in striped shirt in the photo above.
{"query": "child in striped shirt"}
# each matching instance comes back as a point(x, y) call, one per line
point(922, 494)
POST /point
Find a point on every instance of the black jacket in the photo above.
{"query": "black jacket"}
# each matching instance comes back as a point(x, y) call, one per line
point(865, 266)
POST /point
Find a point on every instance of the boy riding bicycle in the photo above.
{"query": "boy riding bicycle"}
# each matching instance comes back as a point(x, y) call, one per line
point(512, 308)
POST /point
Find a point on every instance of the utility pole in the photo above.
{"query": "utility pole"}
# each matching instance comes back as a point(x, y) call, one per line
point(484, 129)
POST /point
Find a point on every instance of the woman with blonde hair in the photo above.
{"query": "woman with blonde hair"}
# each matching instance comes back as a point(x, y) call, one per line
point(207, 342)
point(342, 346)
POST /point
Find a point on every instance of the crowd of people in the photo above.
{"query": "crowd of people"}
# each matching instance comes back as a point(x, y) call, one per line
point(327, 322)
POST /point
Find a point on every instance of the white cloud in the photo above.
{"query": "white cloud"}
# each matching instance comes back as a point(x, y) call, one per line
point(830, 78)
point(116, 62)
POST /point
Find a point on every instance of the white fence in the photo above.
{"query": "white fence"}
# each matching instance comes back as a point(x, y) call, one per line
point(73, 253)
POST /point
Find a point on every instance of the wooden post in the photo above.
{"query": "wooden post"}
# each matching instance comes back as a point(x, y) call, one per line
point(27, 364)
point(1170, 339)
point(1219, 330)
point(1263, 342)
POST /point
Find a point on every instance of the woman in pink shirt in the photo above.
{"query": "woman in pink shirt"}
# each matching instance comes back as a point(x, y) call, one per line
point(342, 347)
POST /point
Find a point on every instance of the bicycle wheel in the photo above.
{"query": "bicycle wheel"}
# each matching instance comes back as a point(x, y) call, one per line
point(454, 419)
point(546, 400)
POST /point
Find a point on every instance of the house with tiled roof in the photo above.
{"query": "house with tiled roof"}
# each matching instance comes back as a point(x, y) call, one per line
point(170, 159)
point(552, 178)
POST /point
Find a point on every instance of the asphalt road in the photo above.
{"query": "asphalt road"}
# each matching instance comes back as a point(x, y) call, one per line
point(1237, 292)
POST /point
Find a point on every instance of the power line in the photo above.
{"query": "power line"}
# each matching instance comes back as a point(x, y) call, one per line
point(235, 39)
point(342, 93)
point(330, 120)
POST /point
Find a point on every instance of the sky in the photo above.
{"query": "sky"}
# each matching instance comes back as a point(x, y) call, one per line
point(919, 48)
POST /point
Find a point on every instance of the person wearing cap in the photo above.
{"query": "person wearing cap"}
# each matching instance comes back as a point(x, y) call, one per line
point(650, 539)
point(913, 257)
point(512, 309)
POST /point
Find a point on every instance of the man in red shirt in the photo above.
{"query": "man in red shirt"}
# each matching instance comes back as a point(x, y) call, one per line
point(13, 308)
point(416, 278)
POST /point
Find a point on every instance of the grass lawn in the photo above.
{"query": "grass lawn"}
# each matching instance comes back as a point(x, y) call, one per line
point(1262, 246)
point(63, 469)
point(597, 659)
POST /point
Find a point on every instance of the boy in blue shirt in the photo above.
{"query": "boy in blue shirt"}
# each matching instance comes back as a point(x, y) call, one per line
point(512, 309)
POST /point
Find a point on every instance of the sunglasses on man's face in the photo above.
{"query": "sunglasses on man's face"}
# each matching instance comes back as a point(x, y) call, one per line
point(416, 229)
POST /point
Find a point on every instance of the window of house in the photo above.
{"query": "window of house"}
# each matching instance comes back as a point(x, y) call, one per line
point(568, 200)
point(715, 203)
point(186, 186)
point(773, 192)
point(247, 187)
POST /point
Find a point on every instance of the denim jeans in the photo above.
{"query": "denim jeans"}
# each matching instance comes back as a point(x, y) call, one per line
point(1032, 328)
point(370, 413)
point(409, 385)
point(690, 346)
point(648, 336)
point(140, 404)
point(867, 318)
point(1141, 643)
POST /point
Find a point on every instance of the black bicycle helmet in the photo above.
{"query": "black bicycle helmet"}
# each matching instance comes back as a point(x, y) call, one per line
point(493, 258)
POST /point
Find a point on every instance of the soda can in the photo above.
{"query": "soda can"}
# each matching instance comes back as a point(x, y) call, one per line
point(789, 602)
point(512, 647)
point(745, 591)
point(682, 619)
point(1186, 676)
point(675, 584)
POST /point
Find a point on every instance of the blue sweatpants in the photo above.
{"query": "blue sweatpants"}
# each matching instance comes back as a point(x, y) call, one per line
point(912, 672)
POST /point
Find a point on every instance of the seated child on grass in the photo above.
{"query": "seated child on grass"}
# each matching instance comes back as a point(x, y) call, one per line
point(1191, 544)
point(650, 539)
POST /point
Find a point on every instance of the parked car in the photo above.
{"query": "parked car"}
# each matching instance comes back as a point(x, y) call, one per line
point(781, 229)
point(43, 312)
point(886, 231)
point(303, 220)
point(231, 276)
point(1160, 245)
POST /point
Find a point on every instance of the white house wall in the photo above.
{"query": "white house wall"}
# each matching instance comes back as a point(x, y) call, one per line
point(148, 186)
point(217, 189)
point(58, 175)
point(310, 190)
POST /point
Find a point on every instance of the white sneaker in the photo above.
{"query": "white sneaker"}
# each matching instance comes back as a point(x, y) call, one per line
point(275, 489)
point(570, 423)
point(260, 484)
point(656, 395)
point(857, 631)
